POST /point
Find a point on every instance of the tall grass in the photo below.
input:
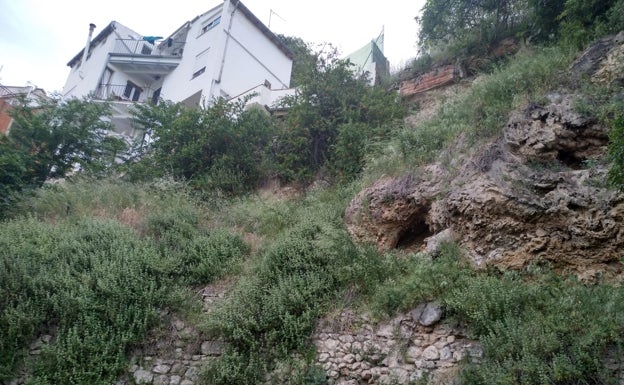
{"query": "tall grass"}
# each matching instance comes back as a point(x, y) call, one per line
point(96, 284)
point(477, 114)
point(273, 310)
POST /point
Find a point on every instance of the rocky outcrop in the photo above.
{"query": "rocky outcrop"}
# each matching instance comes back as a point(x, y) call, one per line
point(394, 212)
point(537, 194)
point(442, 75)
point(435, 78)
point(602, 61)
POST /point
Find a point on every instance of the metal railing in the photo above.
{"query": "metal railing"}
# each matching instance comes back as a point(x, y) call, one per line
point(134, 47)
point(121, 92)
point(145, 48)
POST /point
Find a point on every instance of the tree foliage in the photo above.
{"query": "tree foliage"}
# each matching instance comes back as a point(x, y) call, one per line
point(584, 20)
point(475, 24)
point(50, 138)
point(329, 95)
point(221, 146)
point(303, 57)
point(443, 21)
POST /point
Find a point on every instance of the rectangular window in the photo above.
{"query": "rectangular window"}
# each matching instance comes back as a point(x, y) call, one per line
point(156, 96)
point(201, 60)
point(198, 72)
point(132, 91)
point(210, 25)
point(146, 50)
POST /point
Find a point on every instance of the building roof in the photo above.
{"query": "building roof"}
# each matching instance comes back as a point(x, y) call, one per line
point(237, 3)
point(100, 36)
point(372, 52)
point(7, 92)
point(264, 29)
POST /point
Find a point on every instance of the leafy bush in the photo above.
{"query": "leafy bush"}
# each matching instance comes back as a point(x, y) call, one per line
point(219, 147)
point(584, 20)
point(274, 307)
point(189, 254)
point(94, 284)
point(51, 139)
point(616, 153)
point(86, 284)
point(329, 96)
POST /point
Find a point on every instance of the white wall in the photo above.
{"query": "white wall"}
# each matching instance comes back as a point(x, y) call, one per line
point(180, 84)
point(84, 78)
point(252, 58)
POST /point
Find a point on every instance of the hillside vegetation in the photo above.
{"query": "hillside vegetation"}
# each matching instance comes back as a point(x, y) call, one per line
point(91, 265)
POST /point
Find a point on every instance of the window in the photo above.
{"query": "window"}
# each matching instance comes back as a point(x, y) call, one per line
point(198, 72)
point(210, 25)
point(201, 59)
point(146, 50)
point(132, 91)
point(156, 96)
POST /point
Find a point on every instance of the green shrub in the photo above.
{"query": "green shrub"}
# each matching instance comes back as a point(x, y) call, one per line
point(190, 254)
point(274, 307)
point(221, 146)
point(95, 285)
point(534, 327)
point(616, 153)
point(86, 282)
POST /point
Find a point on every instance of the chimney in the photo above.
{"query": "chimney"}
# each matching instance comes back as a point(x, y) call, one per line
point(88, 46)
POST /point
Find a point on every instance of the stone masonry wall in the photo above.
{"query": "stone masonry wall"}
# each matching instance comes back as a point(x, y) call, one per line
point(411, 347)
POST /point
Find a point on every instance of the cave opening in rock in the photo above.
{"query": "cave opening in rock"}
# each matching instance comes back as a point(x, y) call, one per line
point(414, 235)
point(570, 159)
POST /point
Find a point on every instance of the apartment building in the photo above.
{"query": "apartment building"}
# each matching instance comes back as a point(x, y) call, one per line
point(225, 52)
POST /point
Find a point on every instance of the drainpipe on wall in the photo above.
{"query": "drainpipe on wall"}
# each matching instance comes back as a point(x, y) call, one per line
point(85, 53)
point(227, 40)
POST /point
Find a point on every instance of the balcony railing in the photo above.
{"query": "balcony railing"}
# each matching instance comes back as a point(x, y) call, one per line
point(122, 92)
point(134, 47)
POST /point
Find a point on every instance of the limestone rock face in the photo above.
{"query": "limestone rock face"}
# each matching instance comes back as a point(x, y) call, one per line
point(394, 209)
point(536, 194)
point(602, 61)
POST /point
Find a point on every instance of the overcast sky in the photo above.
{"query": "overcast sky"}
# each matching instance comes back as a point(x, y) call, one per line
point(39, 37)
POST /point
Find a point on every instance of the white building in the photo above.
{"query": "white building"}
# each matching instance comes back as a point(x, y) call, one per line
point(225, 52)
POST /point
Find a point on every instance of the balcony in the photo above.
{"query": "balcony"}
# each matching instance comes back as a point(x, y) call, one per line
point(142, 58)
point(128, 92)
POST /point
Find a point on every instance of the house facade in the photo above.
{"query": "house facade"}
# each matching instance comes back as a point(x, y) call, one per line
point(225, 52)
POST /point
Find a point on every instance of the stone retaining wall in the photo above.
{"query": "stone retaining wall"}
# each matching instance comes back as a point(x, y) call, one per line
point(409, 348)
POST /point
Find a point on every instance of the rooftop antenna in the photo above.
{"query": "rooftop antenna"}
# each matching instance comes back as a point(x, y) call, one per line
point(274, 13)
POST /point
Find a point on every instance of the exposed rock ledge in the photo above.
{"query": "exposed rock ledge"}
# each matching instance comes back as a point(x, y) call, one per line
point(533, 195)
point(536, 194)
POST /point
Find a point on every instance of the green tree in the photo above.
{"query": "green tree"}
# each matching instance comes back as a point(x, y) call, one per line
point(304, 57)
point(443, 21)
point(329, 95)
point(584, 20)
point(221, 146)
point(50, 138)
